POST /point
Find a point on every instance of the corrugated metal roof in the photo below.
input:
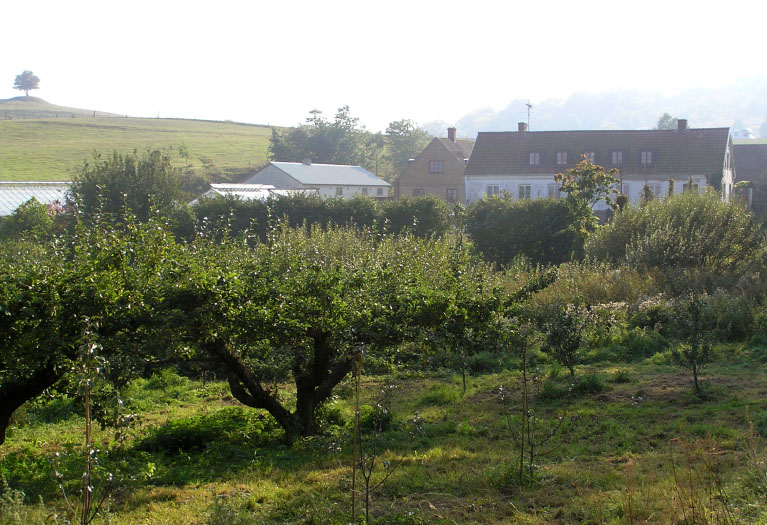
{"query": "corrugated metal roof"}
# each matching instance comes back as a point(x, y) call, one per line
point(249, 191)
point(330, 174)
point(14, 194)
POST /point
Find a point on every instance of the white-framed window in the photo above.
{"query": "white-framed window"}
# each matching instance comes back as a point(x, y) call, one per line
point(617, 158)
point(590, 156)
point(493, 189)
point(561, 158)
point(451, 195)
point(419, 192)
point(552, 191)
point(436, 166)
point(379, 192)
point(686, 186)
point(339, 192)
point(525, 191)
point(626, 188)
point(655, 188)
point(535, 158)
point(364, 191)
point(645, 158)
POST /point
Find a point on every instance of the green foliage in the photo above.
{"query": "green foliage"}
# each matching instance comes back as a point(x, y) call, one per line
point(440, 394)
point(563, 326)
point(342, 141)
point(586, 185)
point(404, 141)
point(120, 185)
point(422, 216)
point(375, 418)
point(31, 220)
point(504, 228)
point(666, 121)
point(684, 231)
point(233, 425)
point(590, 384)
point(230, 216)
point(691, 326)
point(26, 81)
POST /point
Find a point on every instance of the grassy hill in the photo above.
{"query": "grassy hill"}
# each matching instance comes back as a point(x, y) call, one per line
point(41, 141)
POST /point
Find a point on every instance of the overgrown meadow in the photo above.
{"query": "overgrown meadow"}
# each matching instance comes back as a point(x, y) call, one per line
point(318, 370)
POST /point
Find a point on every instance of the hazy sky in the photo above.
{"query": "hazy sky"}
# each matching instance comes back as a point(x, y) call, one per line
point(272, 62)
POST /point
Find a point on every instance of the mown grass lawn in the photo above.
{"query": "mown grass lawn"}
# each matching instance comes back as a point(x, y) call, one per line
point(54, 149)
point(638, 447)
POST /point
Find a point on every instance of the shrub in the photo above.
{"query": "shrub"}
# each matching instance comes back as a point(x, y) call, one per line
point(590, 384)
point(485, 362)
point(684, 231)
point(375, 418)
point(422, 216)
point(641, 344)
point(504, 228)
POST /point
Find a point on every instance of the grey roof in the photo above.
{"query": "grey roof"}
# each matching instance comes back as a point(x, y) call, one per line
point(330, 174)
point(461, 147)
point(674, 151)
point(248, 192)
point(14, 194)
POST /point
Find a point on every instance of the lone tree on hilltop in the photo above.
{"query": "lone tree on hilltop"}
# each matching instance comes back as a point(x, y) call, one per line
point(26, 81)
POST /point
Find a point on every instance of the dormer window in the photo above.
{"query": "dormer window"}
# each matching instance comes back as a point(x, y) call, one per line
point(590, 156)
point(561, 158)
point(617, 158)
point(535, 158)
point(646, 158)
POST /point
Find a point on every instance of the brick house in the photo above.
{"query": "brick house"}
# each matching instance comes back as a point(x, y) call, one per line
point(523, 163)
point(437, 170)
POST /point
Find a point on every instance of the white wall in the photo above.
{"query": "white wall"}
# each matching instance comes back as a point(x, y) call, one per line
point(349, 192)
point(476, 187)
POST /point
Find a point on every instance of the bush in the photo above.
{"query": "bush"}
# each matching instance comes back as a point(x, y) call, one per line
point(422, 216)
point(590, 384)
point(487, 362)
point(641, 344)
point(684, 231)
point(504, 228)
point(375, 418)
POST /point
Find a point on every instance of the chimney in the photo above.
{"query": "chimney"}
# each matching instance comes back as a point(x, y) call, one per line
point(307, 161)
point(451, 134)
point(522, 127)
point(681, 124)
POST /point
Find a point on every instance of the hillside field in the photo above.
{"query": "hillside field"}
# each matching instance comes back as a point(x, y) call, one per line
point(53, 149)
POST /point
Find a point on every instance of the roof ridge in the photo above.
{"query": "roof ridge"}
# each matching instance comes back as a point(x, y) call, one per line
point(603, 131)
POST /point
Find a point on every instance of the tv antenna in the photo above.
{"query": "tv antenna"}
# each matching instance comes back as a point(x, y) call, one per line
point(529, 107)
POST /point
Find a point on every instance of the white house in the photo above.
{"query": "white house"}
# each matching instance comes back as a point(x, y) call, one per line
point(328, 180)
point(524, 163)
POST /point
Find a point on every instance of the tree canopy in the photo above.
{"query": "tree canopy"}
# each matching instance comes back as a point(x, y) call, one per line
point(26, 81)
point(340, 141)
